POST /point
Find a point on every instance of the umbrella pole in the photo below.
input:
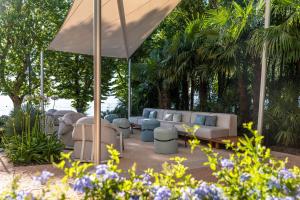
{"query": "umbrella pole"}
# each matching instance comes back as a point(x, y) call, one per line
point(129, 88)
point(263, 72)
point(97, 81)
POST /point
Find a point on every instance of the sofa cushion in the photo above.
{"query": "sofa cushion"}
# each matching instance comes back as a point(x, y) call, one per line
point(146, 113)
point(200, 120)
point(134, 120)
point(168, 117)
point(168, 124)
point(185, 115)
point(211, 120)
point(180, 127)
point(211, 132)
point(153, 114)
point(177, 117)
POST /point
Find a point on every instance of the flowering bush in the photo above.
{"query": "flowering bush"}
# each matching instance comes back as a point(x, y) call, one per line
point(249, 173)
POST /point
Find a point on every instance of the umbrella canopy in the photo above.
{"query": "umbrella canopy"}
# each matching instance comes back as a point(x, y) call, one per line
point(125, 26)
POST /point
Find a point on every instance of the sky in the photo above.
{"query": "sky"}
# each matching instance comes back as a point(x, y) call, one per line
point(110, 103)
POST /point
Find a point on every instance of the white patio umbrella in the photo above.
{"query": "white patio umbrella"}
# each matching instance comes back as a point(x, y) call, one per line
point(111, 28)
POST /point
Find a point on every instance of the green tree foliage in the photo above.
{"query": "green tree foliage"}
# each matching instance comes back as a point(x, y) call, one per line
point(26, 27)
point(207, 56)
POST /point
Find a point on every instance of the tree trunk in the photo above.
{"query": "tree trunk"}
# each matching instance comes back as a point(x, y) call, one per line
point(163, 98)
point(192, 94)
point(203, 95)
point(243, 97)
point(185, 94)
point(221, 85)
point(17, 101)
point(256, 88)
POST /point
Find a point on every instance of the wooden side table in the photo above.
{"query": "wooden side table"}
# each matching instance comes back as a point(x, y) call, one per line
point(219, 141)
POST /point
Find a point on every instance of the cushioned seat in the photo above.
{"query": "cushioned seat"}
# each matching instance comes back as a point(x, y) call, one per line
point(207, 132)
point(83, 136)
point(165, 140)
point(124, 125)
point(210, 132)
point(148, 126)
point(168, 124)
point(66, 126)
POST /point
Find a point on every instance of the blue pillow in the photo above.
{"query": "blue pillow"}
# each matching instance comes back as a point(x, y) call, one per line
point(200, 120)
point(153, 115)
point(211, 121)
point(146, 113)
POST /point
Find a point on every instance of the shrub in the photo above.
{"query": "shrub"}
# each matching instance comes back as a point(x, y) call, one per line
point(16, 122)
point(3, 120)
point(32, 145)
point(249, 173)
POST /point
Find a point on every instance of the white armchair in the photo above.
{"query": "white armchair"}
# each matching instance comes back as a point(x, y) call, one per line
point(66, 126)
point(83, 137)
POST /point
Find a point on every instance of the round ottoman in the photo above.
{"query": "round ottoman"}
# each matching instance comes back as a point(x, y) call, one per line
point(111, 117)
point(165, 140)
point(124, 125)
point(148, 125)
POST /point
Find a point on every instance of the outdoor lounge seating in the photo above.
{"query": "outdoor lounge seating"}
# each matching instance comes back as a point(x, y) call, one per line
point(165, 140)
point(83, 139)
point(66, 126)
point(52, 122)
point(148, 126)
point(124, 125)
point(220, 124)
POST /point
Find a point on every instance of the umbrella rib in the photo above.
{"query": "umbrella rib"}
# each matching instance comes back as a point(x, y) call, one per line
point(123, 25)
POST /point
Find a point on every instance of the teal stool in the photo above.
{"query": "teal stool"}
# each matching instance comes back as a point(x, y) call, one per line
point(111, 117)
point(165, 140)
point(148, 125)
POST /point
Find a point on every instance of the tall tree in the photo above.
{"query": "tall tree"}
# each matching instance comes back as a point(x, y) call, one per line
point(26, 27)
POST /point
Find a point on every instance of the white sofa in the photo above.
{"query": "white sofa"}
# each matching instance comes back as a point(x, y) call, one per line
point(226, 123)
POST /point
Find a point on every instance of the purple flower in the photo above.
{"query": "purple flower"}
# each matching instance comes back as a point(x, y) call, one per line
point(44, 177)
point(83, 184)
point(146, 179)
point(286, 174)
point(162, 193)
point(226, 163)
point(205, 191)
point(8, 197)
point(280, 198)
point(274, 183)
point(245, 177)
point(298, 192)
point(121, 195)
point(186, 194)
point(134, 197)
point(111, 175)
point(101, 169)
point(22, 195)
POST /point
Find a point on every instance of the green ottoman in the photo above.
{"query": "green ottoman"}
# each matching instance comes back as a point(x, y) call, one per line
point(165, 140)
point(148, 125)
point(124, 125)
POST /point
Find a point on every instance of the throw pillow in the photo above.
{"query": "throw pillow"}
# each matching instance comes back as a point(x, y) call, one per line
point(168, 117)
point(211, 121)
point(153, 115)
point(146, 113)
point(177, 117)
point(200, 120)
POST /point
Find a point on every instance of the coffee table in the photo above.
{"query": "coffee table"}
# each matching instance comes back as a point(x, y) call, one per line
point(185, 137)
